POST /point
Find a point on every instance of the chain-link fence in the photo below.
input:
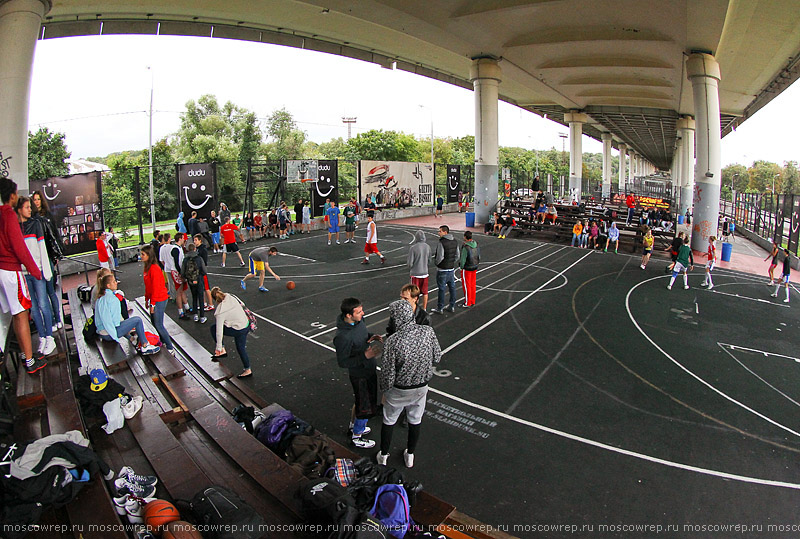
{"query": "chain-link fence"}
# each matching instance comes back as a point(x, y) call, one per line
point(771, 216)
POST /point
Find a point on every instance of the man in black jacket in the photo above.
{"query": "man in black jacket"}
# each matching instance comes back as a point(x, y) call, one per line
point(355, 353)
point(446, 258)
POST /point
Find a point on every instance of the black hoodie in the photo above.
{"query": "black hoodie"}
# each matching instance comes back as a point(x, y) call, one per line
point(351, 343)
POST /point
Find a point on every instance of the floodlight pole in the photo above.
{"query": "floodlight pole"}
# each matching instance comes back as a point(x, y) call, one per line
point(150, 156)
point(431, 111)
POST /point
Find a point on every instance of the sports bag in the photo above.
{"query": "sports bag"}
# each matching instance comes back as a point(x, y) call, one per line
point(356, 524)
point(343, 472)
point(250, 316)
point(310, 455)
point(271, 431)
point(89, 330)
point(224, 515)
point(393, 510)
point(323, 500)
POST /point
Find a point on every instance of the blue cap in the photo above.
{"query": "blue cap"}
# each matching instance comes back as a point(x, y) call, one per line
point(99, 379)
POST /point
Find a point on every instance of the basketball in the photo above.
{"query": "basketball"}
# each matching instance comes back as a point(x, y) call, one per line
point(180, 529)
point(290, 285)
point(158, 513)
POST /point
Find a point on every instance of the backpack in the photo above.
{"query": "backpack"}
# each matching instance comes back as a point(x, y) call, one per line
point(244, 415)
point(89, 330)
point(270, 432)
point(323, 500)
point(294, 428)
point(310, 455)
point(343, 472)
point(224, 515)
point(192, 271)
point(392, 509)
point(250, 316)
point(356, 524)
point(473, 258)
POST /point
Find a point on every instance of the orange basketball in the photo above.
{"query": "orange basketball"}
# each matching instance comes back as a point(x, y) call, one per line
point(290, 285)
point(158, 513)
point(180, 529)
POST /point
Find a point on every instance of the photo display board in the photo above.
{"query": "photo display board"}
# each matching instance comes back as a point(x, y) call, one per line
point(396, 184)
point(75, 203)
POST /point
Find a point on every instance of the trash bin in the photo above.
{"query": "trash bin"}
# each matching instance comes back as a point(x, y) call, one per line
point(680, 219)
point(470, 219)
point(727, 249)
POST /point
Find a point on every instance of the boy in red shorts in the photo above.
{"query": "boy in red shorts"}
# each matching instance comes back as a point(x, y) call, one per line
point(372, 241)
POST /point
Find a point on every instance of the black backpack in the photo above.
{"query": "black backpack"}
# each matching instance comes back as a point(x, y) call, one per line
point(473, 258)
point(324, 500)
point(192, 271)
point(89, 330)
point(356, 524)
point(224, 515)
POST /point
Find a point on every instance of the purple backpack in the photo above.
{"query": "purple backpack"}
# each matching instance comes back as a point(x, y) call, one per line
point(392, 509)
point(271, 431)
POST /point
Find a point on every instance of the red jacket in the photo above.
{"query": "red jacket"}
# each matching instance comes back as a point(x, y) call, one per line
point(155, 287)
point(102, 250)
point(630, 201)
point(13, 251)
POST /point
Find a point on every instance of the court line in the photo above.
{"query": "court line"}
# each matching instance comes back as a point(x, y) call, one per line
point(381, 268)
point(747, 297)
point(295, 256)
point(574, 437)
point(745, 367)
point(764, 352)
point(511, 308)
point(553, 361)
point(686, 370)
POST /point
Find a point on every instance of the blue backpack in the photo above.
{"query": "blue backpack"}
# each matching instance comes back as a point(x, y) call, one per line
point(392, 509)
point(271, 431)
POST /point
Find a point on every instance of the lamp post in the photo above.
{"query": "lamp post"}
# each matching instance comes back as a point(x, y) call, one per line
point(773, 181)
point(150, 155)
point(431, 111)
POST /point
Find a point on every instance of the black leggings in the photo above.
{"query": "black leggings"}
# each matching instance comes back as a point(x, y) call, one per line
point(386, 438)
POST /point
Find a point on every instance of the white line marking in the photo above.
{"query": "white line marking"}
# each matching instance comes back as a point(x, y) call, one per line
point(737, 347)
point(295, 256)
point(381, 268)
point(693, 375)
point(293, 332)
point(517, 304)
point(738, 296)
point(745, 367)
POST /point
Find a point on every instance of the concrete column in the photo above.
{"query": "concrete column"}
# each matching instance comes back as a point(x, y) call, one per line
point(632, 157)
point(703, 72)
point(606, 138)
point(576, 121)
point(677, 162)
point(20, 23)
point(685, 127)
point(623, 148)
point(485, 76)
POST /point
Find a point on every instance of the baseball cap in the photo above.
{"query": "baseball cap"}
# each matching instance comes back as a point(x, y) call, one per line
point(99, 379)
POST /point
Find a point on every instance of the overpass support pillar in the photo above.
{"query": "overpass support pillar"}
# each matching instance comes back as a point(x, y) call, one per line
point(703, 71)
point(606, 137)
point(623, 148)
point(686, 129)
point(576, 121)
point(20, 23)
point(485, 76)
point(675, 172)
point(631, 168)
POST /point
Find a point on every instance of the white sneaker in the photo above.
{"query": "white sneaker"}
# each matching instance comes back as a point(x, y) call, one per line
point(362, 443)
point(710, 287)
point(669, 287)
point(642, 266)
point(49, 346)
point(41, 345)
point(686, 287)
point(132, 407)
point(337, 242)
point(127, 473)
point(409, 458)
point(223, 264)
point(329, 242)
point(149, 349)
point(773, 295)
point(382, 459)
point(703, 284)
point(786, 300)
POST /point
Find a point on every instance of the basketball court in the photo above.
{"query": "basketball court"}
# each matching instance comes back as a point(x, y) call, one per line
point(578, 393)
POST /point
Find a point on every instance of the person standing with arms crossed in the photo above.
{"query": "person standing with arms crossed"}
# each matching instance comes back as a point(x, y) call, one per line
point(468, 262)
point(371, 246)
point(446, 258)
point(333, 221)
point(349, 213)
point(418, 256)
point(355, 353)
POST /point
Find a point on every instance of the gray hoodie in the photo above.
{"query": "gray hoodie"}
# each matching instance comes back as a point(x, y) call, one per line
point(409, 354)
point(418, 256)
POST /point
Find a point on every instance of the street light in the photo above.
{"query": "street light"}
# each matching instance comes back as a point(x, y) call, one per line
point(773, 181)
point(431, 111)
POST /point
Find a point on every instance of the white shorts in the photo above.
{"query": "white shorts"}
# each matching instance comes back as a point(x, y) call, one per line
point(679, 268)
point(105, 265)
point(411, 400)
point(710, 266)
point(14, 295)
point(306, 220)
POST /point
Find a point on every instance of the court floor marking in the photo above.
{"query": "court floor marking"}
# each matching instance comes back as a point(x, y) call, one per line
point(689, 372)
point(739, 296)
point(745, 367)
point(764, 352)
point(514, 306)
point(574, 437)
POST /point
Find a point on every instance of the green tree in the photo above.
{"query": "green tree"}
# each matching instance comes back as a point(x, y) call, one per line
point(734, 175)
point(47, 154)
point(463, 150)
point(763, 175)
point(379, 145)
point(791, 178)
point(286, 139)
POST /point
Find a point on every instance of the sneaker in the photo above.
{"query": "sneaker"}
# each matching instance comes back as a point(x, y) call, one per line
point(367, 430)
point(241, 263)
point(605, 250)
point(686, 287)
point(134, 508)
point(362, 443)
point(132, 408)
point(128, 474)
point(773, 295)
point(365, 261)
point(60, 325)
point(409, 458)
point(704, 283)
point(642, 266)
point(243, 285)
point(329, 242)
point(436, 311)
point(149, 349)
point(182, 315)
point(41, 345)
point(223, 264)
point(203, 320)
point(263, 289)
point(124, 486)
point(710, 287)
point(382, 459)
point(669, 287)
point(786, 300)
point(119, 503)
point(383, 260)
point(337, 242)
point(38, 364)
point(770, 283)
point(450, 309)
point(209, 307)
point(465, 306)
point(195, 318)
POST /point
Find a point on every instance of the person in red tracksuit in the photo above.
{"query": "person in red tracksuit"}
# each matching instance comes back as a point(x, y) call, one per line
point(470, 257)
point(15, 300)
point(630, 201)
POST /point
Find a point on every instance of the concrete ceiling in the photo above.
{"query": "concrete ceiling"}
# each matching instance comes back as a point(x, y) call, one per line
point(620, 61)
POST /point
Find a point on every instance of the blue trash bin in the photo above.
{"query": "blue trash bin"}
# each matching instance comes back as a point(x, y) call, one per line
point(727, 249)
point(470, 219)
point(680, 219)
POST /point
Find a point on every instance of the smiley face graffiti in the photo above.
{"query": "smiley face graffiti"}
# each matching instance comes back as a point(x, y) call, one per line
point(325, 186)
point(54, 186)
point(188, 200)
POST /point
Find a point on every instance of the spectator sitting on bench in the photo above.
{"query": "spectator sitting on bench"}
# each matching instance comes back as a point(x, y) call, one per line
point(594, 232)
point(577, 230)
point(613, 235)
point(666, 220)
point(108, 318)
point(490, 225)
point(540, 211)
point(551, 214)
point(508, 224)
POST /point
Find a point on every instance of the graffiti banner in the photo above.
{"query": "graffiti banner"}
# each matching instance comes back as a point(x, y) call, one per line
point(397, 184)
point(75, 202)
point(326, 186)
point(197, 189)
point(453, 182)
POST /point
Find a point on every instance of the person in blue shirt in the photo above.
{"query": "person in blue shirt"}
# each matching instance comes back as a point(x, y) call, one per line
point(613, 236)
point(439, 205)
point(108, 317)
point(333, 222)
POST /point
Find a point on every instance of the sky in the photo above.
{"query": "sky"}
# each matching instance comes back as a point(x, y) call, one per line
point(96, 90)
